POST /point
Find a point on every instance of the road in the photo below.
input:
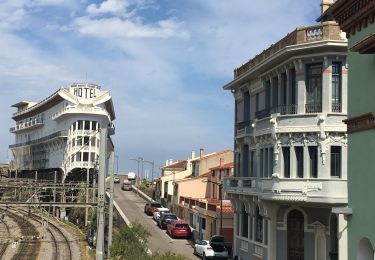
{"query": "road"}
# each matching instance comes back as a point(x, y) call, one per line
point(133, 207)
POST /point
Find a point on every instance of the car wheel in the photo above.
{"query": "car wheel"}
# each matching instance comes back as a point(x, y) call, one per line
point(204, 256)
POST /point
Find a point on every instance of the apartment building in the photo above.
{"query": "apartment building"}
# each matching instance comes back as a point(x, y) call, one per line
point(60, 134)
point(202, 202)
point(291, 148)
point(194, 166)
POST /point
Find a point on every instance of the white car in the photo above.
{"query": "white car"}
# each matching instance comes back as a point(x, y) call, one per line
point(156, 214)
point(116, 179)
point(213, 249)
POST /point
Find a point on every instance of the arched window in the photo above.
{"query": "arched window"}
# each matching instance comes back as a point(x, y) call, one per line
point(295, 235)
point(365, 250)
point(334, 242)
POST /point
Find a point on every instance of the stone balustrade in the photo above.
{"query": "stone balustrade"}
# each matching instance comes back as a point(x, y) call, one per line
point(290, 189)
point(306, 34)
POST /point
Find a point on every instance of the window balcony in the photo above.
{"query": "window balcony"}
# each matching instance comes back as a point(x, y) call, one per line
point(27, 125)
point(336, 107)
point(285, 109)
point(290, 190)
point(243, 128)
point(263, 113)
point(313, 108)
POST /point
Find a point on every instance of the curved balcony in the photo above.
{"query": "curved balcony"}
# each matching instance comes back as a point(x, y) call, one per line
point(59, 134)
point(27, 125)
point(331, 191)
point(79, 110)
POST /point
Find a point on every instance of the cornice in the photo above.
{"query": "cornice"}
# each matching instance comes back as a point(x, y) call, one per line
point(353, 15)
point(360, 123)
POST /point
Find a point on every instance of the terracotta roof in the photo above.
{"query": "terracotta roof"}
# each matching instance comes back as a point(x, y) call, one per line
point(210, 155)
point(225, 166)
point(227, 209)
point(205, 174)
point(180, 164)
point(188, 178)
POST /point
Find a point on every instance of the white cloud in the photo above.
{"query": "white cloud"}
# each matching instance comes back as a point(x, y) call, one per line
point(115, 28)
point(108, 6)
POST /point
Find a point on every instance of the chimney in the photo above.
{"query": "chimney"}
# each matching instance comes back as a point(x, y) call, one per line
point(325, 5)
point(221, 161)
point(170, 161)
point(201, 152)
point(192, 154)
point(166, 162)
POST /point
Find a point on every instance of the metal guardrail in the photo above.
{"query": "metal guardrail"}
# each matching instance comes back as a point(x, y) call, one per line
point(63, 133)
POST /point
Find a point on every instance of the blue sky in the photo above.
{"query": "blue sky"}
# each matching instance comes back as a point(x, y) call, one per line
point(164, 61)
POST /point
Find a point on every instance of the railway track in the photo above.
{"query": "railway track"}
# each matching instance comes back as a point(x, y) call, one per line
point(4, 246)
point(60, 240)
point(29, 248)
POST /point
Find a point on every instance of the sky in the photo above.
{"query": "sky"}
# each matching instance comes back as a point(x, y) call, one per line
point(164, 62)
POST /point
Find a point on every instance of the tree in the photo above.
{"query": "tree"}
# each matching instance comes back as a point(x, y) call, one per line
point(130, 243)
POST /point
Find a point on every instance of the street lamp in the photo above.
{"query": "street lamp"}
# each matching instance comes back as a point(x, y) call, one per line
point(221, 202)
point(152, 171)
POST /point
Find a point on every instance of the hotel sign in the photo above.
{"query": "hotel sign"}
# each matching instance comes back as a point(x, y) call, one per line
point(85, 92)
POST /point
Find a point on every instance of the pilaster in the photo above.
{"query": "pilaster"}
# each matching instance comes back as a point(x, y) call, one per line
point(301, 86)
point(342, 234)
point(326, 85)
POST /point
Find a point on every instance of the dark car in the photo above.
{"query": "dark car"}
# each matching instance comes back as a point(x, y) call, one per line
point(150, 207)
point(166, 219)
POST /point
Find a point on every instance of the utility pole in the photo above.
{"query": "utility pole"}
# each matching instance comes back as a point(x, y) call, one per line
point(110, 216)
point(87, 195)
point(101, 194)
point(54, 193)
point(152, 171)
point(141, 159)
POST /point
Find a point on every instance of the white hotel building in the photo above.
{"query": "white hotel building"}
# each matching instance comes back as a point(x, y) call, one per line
point(291, 148)
point(61, 133)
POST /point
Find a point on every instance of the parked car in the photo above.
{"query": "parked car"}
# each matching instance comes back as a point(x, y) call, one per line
point(179, 228)
point(116, 179)
point(214, 248)
point(127, 185)
point(158, 211)
point(165, 219)
point(151, 206)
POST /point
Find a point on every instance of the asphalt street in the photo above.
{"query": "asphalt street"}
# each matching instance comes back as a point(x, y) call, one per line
point(160, 241)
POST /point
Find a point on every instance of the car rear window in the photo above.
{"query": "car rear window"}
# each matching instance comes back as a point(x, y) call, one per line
point(155, 205)
point(170, 216)
point(182, 226)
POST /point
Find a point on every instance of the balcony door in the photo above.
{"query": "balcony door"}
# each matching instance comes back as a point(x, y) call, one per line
point(314, 89)
point(295, 235)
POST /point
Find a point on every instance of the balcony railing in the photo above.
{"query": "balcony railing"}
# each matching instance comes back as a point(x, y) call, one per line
point(58, 134)
point(78, 110)
point(290, 189)
point(336, 107)
point(263, 113)
point(285, 109)
point(243, 128)
point(321, 32)
point(313, 108)
point(27, 125)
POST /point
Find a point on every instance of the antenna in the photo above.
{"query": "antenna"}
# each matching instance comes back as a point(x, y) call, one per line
point(86, 77)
